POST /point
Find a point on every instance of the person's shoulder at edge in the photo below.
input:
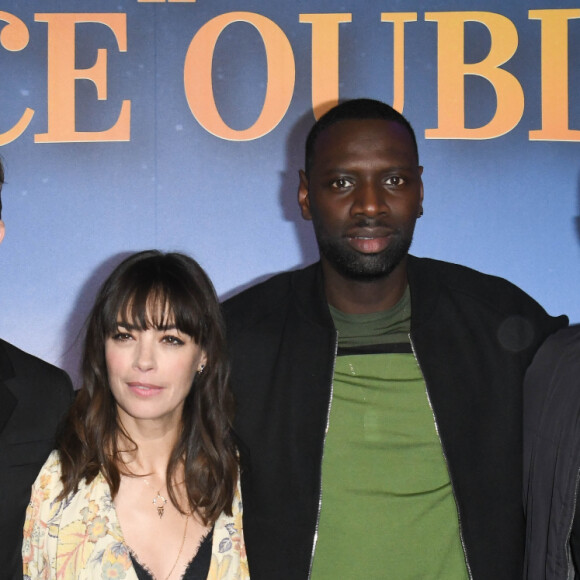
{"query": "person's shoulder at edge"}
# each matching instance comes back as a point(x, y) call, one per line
point(20, 363)
point(561, 342)
point(559, 355)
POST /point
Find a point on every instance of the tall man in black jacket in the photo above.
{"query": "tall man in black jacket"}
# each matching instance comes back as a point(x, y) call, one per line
point(379, 395)
point(33, 397)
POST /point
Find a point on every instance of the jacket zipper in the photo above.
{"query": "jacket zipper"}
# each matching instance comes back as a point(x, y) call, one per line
point(459, 521)
point(567, 548)
point(315, 539)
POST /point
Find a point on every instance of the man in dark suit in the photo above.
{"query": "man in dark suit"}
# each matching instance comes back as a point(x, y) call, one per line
point(33, 397)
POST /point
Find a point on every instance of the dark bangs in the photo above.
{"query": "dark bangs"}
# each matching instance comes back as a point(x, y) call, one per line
point(155, 290)
point(158, 292)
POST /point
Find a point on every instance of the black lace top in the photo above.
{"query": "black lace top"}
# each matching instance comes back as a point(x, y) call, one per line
point(197, 569)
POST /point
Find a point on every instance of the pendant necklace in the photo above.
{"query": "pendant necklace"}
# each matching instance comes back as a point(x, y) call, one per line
point(158, 501)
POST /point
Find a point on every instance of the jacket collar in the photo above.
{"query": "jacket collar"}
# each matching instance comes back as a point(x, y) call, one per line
point(424, 285)
point(308, 287)
point(8, 400)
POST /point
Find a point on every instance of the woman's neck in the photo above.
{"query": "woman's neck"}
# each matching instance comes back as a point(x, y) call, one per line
point(149, 447)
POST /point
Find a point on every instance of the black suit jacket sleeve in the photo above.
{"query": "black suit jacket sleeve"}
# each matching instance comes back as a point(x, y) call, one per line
point(34, 396)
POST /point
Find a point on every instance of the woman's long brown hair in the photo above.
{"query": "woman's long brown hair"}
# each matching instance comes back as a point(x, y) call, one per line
point(153, 290)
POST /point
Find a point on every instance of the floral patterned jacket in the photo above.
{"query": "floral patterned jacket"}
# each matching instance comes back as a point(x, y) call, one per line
point(79, 538)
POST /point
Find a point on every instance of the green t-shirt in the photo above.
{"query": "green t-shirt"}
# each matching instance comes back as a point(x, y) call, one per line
point(387, 505)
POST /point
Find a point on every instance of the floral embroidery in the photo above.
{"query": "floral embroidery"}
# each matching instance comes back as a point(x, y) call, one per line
point(225, 545)
point(116, 561)
point(219, 569)
point(90, 511)
point(79, 538)
point(97, 529)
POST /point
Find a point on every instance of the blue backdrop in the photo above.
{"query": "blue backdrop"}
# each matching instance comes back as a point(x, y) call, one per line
point(77, 198)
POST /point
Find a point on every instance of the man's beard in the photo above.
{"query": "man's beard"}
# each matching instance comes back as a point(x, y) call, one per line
point(358, 266)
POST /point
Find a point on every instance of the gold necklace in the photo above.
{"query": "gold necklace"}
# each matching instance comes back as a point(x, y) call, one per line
point(158, 501)
point(180, 548)
point(159, 505)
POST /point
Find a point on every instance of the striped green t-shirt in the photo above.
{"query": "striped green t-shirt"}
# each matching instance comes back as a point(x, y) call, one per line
point(387, 505)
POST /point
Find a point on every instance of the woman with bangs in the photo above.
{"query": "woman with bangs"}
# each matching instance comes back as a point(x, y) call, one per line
point(144, 481)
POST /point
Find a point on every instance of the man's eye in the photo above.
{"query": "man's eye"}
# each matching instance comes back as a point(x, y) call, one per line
point(341, 183)
point(170, 339)
point(395, 180)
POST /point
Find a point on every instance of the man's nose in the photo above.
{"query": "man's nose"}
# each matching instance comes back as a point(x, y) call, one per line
point(370, 199)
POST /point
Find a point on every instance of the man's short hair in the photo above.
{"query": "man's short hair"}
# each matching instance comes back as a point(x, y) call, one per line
point(1, 182)
point(360, 109)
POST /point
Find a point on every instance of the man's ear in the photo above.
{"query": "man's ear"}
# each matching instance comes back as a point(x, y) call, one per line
point(303, 197)
point(2, 231)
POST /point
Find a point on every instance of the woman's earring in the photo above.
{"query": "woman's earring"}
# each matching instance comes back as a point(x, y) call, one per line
point(201, 369)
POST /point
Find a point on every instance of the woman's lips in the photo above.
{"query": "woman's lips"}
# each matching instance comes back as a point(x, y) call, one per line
point(144, 389)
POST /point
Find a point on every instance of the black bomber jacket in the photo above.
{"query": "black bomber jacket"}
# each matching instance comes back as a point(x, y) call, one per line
point(473, 335)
